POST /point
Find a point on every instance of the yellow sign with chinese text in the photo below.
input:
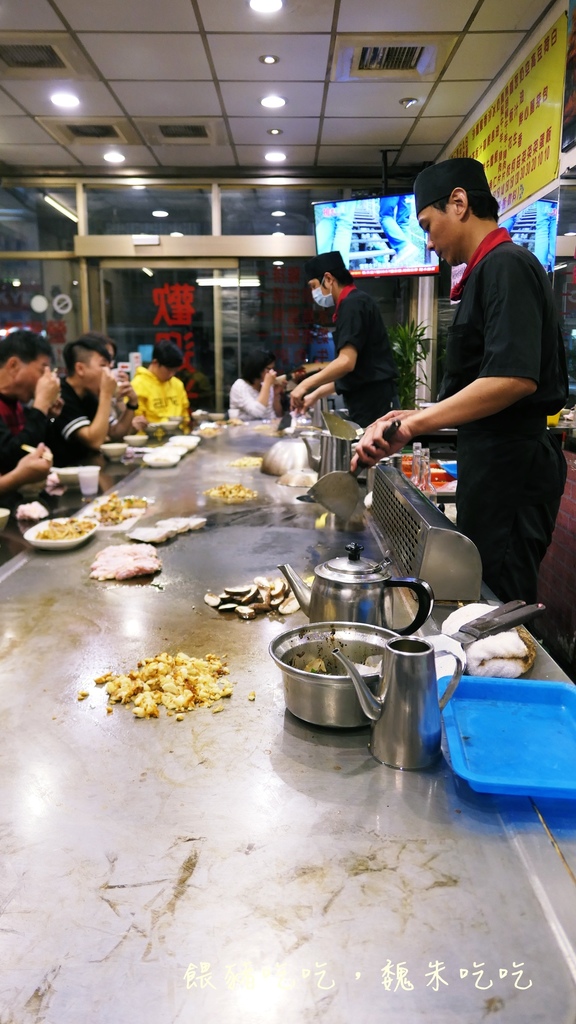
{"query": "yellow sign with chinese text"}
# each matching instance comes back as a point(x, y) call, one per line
point(518, 137)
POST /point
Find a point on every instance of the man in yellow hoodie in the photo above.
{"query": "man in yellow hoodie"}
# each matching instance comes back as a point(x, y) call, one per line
point(160, 393)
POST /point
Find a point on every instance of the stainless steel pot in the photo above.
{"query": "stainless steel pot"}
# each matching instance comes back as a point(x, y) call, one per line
point(328, 700)
point(284, 456)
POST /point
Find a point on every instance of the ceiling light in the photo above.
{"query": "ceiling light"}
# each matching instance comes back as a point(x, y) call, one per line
point(275, 157)
point(159, 213)
point(274, 131)
point(228, 282)
point(139, 186)
point(176, 234)
point(277, 263)
point(16, 282)
point(114, 157)
point(266, 6)
point(408, 101)
point(65, 99)
point(61, 208)
point(278, 234)
point(277, 213)
point(147, 270)
point(569, 233)
point(268, 58)
point(273, 101)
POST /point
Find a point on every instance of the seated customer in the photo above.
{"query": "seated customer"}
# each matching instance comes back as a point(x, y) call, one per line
point(256, 395)
point(31, 469)
point(87, 418)
point(160, 393)
point(25, 377)
point(139, 422)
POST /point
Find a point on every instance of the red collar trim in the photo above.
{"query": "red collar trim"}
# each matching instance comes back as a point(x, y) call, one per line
point(495, 238)
point(345, 292)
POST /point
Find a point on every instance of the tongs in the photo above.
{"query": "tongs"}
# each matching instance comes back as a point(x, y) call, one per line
point(497, 620)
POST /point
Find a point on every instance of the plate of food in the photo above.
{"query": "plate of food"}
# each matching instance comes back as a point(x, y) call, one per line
point(61, 534)
point(118, 512)
point(188, 441)
point(161, 459)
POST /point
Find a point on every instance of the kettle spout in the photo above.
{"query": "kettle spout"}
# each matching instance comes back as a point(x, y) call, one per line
point(301, 590)
point(371, 706)
point(313, 456)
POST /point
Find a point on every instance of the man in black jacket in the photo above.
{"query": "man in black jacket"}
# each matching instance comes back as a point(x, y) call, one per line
point(26, 379)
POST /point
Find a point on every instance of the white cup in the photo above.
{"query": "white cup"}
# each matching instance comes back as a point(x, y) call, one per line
point(88, 479)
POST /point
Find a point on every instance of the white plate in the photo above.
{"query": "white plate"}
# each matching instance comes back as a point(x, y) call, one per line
point(56, 545)
point(185, 441)
point(157, 461)
point(175, 449)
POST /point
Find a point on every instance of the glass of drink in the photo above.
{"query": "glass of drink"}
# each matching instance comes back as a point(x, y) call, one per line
point(88, 480)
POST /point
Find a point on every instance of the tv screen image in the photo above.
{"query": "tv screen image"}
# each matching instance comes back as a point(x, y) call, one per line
point(376, 236)
point(535, 228)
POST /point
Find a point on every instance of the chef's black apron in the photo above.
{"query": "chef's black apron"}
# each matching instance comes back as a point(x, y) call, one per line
point(370, 401)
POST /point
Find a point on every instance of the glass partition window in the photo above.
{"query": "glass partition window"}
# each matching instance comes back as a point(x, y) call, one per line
point(130, 210)
point(265, 210)
point(35, 220)
point(43, 295)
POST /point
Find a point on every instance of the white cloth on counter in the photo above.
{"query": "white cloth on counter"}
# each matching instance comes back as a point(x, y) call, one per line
point(504, 655)
point(166, 528)
point(31, 510)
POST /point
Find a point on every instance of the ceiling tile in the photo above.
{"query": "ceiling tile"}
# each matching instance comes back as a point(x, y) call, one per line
point(124, 16)
point(296, 16)
point(243, 98)
point(418, 155)
point(136, 156)
point(482, 55)
point(34, 95)
point(431, 130)
point(373, 99)
point(301, 131)
point(416, 16)
point(36, 15)
point(455, 98)
point(22, 130)
point(8, 107)
point(176, 57)
point(195, 156)
point(361, 156)
point(254, 156)
point(514, 14)
point(375, 131)
point(302, 57)
point(37, 156)
point(168, 99)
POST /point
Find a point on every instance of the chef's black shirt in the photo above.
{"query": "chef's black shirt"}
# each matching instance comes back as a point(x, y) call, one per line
point(370, 387)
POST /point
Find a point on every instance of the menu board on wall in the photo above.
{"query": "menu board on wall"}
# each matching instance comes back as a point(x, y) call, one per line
point(518, 137)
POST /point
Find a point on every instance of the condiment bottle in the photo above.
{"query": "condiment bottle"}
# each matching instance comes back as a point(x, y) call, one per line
point(425, 480)
point(416, 451)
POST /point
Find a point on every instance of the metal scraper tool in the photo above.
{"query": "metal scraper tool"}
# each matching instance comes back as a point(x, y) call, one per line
point(339, 427)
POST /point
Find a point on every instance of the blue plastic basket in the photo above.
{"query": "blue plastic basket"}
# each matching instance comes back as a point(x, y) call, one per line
point(513, 735)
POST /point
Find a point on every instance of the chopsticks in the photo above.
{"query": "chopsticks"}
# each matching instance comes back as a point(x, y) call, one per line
point(32, 451)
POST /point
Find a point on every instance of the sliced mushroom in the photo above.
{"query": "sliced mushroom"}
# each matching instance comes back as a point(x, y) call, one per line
point(228, 607)
point(278, 589)
point(276, 601)
point(264, 594)
point(244, 612)
point(212, 599)
point(259, 608)
point(289, 606)
point(240, 591)
point(262, 583)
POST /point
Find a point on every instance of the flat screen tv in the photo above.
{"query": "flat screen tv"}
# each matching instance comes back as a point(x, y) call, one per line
point(375, 236)
point(535, 228)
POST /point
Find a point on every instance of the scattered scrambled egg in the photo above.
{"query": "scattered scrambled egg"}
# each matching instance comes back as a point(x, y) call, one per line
point(66, 529)
point(232, 494)
point(247, 462)
point(178, 682)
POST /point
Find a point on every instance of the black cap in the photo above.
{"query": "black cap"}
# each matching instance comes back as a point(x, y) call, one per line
point(325, 262)
point(438, 181)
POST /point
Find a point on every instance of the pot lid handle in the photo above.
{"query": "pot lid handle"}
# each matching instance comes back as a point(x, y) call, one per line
point(354, 550)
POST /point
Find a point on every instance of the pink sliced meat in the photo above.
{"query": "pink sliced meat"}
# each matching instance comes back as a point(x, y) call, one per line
point(122, 561)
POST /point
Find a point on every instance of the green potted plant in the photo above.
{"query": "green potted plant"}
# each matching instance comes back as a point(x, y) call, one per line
point(410, 346)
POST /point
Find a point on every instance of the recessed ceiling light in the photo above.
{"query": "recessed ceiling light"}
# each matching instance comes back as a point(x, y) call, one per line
point(277, 263)
point(266, 6)
point(408, 101)
point(176, 234)
point(277, 213)
point(275, 157)
point(159, 213)
point(16, 282)
point(148, 271)
point(278, 234)
point(273, 101)
point(268, 58)
point(113, 157)
point(275, 131)
point(139, 186)
point(64, 99)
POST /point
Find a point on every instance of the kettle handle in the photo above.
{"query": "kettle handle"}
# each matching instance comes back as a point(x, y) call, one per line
point(449, 691)
point(425, 596)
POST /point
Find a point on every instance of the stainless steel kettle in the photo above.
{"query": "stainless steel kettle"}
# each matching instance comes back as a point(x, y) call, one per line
point(355, 589)
point(326, 452)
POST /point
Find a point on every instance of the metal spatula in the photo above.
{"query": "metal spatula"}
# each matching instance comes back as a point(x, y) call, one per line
point(339, 427)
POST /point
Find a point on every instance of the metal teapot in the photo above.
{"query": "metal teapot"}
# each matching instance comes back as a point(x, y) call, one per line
point(353, 589)
point(327, 453)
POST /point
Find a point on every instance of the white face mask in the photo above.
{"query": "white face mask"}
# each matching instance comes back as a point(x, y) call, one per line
point(320, 299)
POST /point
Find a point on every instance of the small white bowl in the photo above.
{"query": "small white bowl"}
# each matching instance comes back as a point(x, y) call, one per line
point(136, 440)
point(175, 419)
point(114, 450)
point(175, 449)
point(31, 490)
point(216, 417)
point(160, 460)
point(187, 441)
point(199, 414)
point(4, 517)
point(68, 476)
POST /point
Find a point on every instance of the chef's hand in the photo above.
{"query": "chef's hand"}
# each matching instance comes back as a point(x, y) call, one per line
point(47, 390)
point(297, 396)
point(371, 447)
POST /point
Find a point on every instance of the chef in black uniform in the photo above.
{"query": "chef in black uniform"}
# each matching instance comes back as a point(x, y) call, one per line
point(505, 372)
point(364, 371)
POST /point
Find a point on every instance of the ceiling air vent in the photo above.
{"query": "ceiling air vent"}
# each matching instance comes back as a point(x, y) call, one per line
point(93, 131)
point(87, 131)
point(31, 57)
point(391, 57)
point(184, 131)
point(42, 55)
point(180, 131)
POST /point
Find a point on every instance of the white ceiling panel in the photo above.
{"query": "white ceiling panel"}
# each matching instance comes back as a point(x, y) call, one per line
point(178, 56)
point(365, 131)
point(252, 155)
point(195, 156)
point(302, 57)
point(168, 99)
point(414, 155)
point(22, 130)
point(7, 106)
point(295, 16)
point(482, 55)
point(362, 156)
point(34, 94)
point(432, 130)
point(494, 15)
point(136, 156)
point(302, 131)
point(242, 99)
point(127, 15)
point(373, 99)
point(414, 16)
point(36, 15)
point(37, 156)
point(451, 98)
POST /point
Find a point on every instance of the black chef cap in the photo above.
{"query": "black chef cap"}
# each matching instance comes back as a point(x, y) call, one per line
point(438, 181)
point(325, 262)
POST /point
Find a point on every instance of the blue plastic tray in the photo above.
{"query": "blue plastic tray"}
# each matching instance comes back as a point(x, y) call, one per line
point(450, 467)
point(513, 735)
